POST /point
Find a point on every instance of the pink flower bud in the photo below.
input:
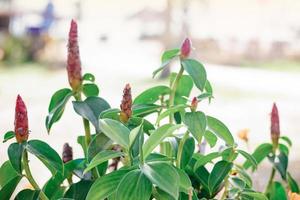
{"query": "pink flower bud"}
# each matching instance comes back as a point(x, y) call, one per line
point(73, 62)
point(126, 104)
point(185, 48)
point(275, 128)
point(194, 104)
point(67, 154)
point(21, 121)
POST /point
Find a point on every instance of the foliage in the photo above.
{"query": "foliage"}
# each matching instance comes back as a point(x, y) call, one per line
point(138, 158)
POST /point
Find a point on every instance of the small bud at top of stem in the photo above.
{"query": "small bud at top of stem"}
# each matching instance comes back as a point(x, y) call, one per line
point(126, 104)
point(275, 127)
point(67, 154)
point(21, 121)
point(185, 48)
point(73, 62)
point(194, 104)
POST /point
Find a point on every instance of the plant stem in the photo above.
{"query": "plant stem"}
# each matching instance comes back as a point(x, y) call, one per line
point(173, 91)
point(30, 177)
point(180, 148)
point(269, 185)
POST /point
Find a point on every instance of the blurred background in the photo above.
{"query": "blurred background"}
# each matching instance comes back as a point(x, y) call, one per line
point(251, 50)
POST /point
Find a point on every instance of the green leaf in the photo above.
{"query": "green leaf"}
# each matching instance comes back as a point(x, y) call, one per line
point(255, 195)
point(204, 159)
point(57, 106)
point(90, 109)
point(166, 59)
point(116, 131)
point(134, 186)
point(134, 134)
point(277, 192)
point(106, 185)
point(183, 89)
point(102, 157)
point(185, 184)
point(281, 164)
point(283, 148)
point(293, 185)
point(202, 176)
point(164, 176)
point(261, 152)
point(237, 182)
point(46, 154)
point(158, 136)
point(210, 138)
point(220, 129)
point(7, 190)
point(99, 143)
point(88, 77)
point(287, 140)
point(28, 194)
point(7, 173)
point(170, 111)
point(187, 152)
point(249, 157)
point(15, 152)
point(112, 113)
point(8, 135)
point(79, 190)
point(90, 90)
point(218, 174)
point(196, 123)
point(142, 110)
point(196, 70)
point(151, 95)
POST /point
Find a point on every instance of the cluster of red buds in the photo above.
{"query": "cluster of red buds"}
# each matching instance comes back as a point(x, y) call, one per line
point(185, 48)
point(194, 104)
point(126, 104)
point(73, 62)
point(275, 127)
point(67, 154)
point(21, 121)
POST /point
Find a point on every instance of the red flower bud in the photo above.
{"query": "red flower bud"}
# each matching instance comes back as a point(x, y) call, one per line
point(185, 48)
point(73, 62)
point(126, 104)
point(21, 121)
point(194, 104)
point(275, 128)
point(67, 154)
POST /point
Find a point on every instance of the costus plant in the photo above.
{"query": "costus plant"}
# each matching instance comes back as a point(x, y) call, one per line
point(144, 149)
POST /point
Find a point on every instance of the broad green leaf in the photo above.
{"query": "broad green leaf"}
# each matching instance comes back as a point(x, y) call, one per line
point(15, 152)
point(8, 135)
point(237, 182)
point(116, 131)
point(185, 184)
point(183, 89)
point(204, 159)
point(277, 192)
point(249, 157)
point(102, 157)
point(220, 129)
point(142, 110)
point(152, 95)
point(164, 176)
point(187, 152)
point(88, 77)
point(52, 188)
point(106, 185)
point(210, 138)
point(293, 185)
point(283, 148)
point(202, 176)
point(7, 190)
point(261, 152)
point(90, 90)
point(134, 122)
point(134, 134)
point(218, 174)
point(57, 106)
point(7, 173)
point(79, 190)
point(28, 194)
point(46, 154)
point(287, 140)
point(158, 136)
point(99, 143)
point(166, 59)
point(196, 123)
point(244, 175)
point(90, 109)
point(171, 111)
point(196, 70)
point(229, 154)
point(134, 186)
point(281, 163)
point(112, 113)
point(255, 195)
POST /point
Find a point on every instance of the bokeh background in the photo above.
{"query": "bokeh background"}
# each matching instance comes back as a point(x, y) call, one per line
point(251, 50)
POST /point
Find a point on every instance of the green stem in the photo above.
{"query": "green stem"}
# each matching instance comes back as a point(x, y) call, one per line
point(173, 91)
point(269, 185)
point(30, 177)
point(180, 148)
point(225, 188)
